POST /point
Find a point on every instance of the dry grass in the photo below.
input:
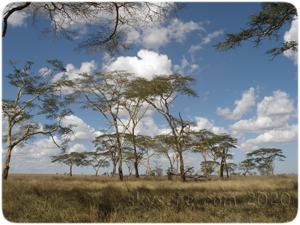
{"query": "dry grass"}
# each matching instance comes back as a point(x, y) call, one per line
point(59, 198)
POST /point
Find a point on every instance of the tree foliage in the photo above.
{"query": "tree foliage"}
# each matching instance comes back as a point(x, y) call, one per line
point(70, 159)
point(160, 92)
point(264, 25)
point(36, 96)
point(264, 158)
point(110, 22)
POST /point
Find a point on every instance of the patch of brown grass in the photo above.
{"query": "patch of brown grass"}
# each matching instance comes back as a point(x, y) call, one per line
point(80, 198)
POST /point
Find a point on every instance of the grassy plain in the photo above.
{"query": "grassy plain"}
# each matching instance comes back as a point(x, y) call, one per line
point(81, 198)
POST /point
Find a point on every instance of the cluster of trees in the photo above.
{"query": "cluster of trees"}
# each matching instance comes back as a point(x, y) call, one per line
point(263, 160)
point(122, 99)
point(110, 92)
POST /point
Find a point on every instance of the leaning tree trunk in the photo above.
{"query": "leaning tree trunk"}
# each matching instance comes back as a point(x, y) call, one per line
point(7, 157)
point(6, 163)
point(135, 158)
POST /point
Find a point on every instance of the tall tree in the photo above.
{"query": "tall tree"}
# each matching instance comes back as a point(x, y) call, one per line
point(110, 21)
point(264, 158)
point(149, 147)
point(219, 146)
point(166, 148)
point(264, 25)
point(95, 159)
point(135, 111)
point(160, 92)
point(70, 159)
point(200, 142)
point(104, 92)
point(36, 96)
point(209, 168)
point(247, 165)
point(107, 144)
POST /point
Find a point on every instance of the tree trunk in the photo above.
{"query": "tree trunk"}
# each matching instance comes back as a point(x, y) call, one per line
point(221, 171)
point(114, 169)
point(6, 163)
point(169, 174)
point(135, 157)
point(204, 165)
point(7, 157)
point(227, 171)
point(182, 175)
point(119, 150)
point(71, 170)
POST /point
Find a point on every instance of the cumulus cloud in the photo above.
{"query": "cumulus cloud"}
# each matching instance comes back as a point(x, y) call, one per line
point(205, 40)
point(242, 106)
point(292, 35)
point(77, 148)
point(156, 37)
point(147, 64)
point(204, 123)
point(276, 105)
point(16, 19)
point(82, 132)
point(72, 72)
point(277, 136)
point(273, 112)
point(247, 147)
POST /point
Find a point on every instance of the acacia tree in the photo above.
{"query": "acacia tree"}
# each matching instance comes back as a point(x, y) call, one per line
point(264, 158)
point(148, 146)
point(96, 159)
point(133, 108)
point(200, 142)
point(70, 159)
point(104, 92)
point(208, 167)
point(165, 146)
point(35, 96)
point(247, 165)
point(219, 146)
point(107, 145)
point(110, 21)
point(265, 24)
point(160, 92)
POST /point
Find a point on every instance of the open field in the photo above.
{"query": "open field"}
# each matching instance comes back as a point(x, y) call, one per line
point(81, 198)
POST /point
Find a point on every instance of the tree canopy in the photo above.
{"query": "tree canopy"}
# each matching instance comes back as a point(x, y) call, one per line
point(264, 25)
point(110, 22)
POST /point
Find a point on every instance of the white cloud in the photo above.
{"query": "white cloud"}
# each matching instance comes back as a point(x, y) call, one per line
point(242, 106)
point(185, 64)
point(205, 41)
point(204, 123)
point(273, 112)
point(44, 71)
point(73, 73)
point(277, 136)
point(16, 19)
point(82, 132)
point(156, 37)
point(276, 105)
point(77, 148)
point(292, 35)
point(147, 64)
point(247, 147)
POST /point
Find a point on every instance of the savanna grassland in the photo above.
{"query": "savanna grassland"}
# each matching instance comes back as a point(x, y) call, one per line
point(81, 198)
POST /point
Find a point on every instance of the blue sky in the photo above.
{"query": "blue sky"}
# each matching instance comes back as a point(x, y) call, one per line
point(241, 91)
